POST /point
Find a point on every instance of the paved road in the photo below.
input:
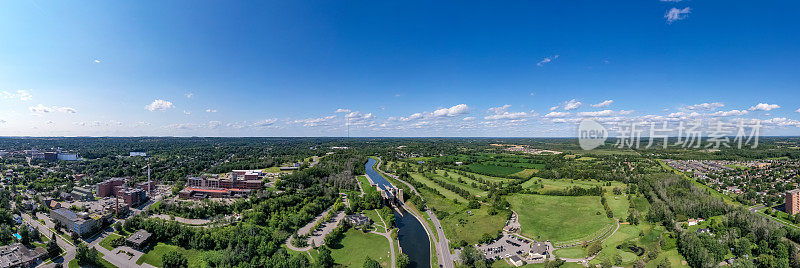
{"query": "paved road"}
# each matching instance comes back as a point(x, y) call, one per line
point(44, 230)
point(442, 246)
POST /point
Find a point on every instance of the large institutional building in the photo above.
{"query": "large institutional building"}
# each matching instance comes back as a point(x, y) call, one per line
point(793, 201)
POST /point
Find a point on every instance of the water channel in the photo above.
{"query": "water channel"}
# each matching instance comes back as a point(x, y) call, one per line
point(412, 236)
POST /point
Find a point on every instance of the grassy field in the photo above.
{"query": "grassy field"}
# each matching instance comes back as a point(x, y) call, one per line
point(571, 253)
point(527, 173)
point(618, 204)
point(106, 243)
point(460, 223)
point(549, 184)
point(559, 218)
point(470, 224)
point(74, 262)
point(625, 233)
point(154, 256)
point(356, 246)
point(447, 193)
point(452, 178)
point(494, 170)
point(483, 177)
point(365, 184)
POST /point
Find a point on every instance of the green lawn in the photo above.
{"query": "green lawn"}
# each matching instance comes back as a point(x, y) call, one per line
point(571, 253)
point(625, 233)
point(675, 259)
point(452, 178)
point(493, 170)
point(427, 182)
point(365, 184)
point(74, 262)
point(106, 243)
point(356, 246)
point(377, 224)
point(560, 218)
point(527, 173)
point(619, 205)
point(461, 225)
point(154, 256)
point(562, 184)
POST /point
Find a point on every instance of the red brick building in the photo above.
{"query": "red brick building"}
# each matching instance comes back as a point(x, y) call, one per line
point(792, 201)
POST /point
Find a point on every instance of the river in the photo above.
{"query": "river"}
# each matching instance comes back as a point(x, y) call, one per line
point(413, 238)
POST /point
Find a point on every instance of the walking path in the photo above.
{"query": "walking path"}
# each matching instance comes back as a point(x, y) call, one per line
point(388, 236)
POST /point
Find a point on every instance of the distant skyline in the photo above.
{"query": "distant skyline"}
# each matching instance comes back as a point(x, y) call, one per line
point(387, 69)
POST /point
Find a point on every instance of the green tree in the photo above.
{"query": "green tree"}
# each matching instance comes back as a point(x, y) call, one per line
point(52, 247)
point(403, 261)
point(664, 263)
point(470, 255)
point(174, 259)
point(370, 263)
point(324, 258)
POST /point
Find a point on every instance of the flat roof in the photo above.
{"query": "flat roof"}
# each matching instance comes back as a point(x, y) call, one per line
point(139, 237)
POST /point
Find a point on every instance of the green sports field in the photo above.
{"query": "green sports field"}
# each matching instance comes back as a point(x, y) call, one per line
point(560, 218)
point(356, 246)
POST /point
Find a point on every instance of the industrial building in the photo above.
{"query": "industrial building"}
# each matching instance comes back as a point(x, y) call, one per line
point(80, 223)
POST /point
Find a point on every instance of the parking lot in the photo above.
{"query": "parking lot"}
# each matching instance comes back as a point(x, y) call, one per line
point(505, 247)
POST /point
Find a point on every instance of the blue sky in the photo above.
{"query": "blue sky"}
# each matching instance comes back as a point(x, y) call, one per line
point(404, 68)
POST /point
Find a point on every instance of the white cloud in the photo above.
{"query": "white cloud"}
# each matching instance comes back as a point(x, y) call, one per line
point(572, 105)
point(452, 111)
point(265, 122)
point(182, 126)
point(214, 124)
point(605, 113)
point(499, 110)
point(557, 114)
point(21, 94)
point(797, 111)
point(684, 115)
point(159, 105)
point(186, 112)
point(209, 110)
point(96, 61)
point(705, 106)
point(675, 14)
point(316, 122)
point(764, 107)
point(189, 95)
point(546, 60)
point(781, 121)
point(411, 117)
point(603, 104)
point(506, 115)
point(358, 118)
point(468, 118)
point(340, 110)
point(554, 108)
point(501, 113)
point(729, 113)
point(41, 109)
